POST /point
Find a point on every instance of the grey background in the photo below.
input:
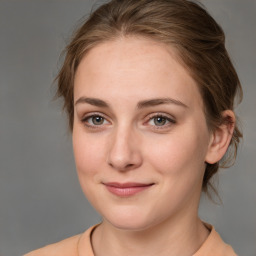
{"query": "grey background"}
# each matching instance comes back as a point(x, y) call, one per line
point(40, 198)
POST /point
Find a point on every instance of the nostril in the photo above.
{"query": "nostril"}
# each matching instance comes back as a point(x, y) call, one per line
point(124, 154)
point(121, 166)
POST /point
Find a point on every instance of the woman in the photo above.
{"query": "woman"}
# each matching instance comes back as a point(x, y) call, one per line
point(149, 90)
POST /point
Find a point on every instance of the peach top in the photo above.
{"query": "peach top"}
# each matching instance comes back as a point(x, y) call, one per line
point(80, 245)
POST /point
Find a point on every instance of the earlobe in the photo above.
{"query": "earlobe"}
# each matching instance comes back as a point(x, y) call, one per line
point(220, 138)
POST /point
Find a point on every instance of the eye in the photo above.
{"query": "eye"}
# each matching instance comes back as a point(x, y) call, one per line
point(160, 121)
point(95, 120)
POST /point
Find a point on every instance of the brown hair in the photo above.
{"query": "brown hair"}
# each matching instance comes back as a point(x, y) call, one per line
point(188, 28)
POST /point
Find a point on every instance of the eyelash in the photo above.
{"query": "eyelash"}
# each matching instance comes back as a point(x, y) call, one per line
point(170, 121)
point(86, 118)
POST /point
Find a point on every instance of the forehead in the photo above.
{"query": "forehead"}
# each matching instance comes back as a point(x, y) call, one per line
point(132, 66)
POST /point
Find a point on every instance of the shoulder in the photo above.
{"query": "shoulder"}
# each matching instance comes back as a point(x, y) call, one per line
point(73, 246)
point(67, 247)
point(214, 245)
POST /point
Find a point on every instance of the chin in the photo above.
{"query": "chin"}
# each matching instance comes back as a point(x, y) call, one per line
point(129, 220)
point(129, 225)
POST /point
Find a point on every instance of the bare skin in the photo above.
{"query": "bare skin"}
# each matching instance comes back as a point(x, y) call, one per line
point(139, 122)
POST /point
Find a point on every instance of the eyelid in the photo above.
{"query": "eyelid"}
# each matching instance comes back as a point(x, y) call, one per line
point(171, 120)
point(168, 117)
point(90, 115)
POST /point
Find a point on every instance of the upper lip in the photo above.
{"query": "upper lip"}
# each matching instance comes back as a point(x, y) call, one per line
point(127, 184)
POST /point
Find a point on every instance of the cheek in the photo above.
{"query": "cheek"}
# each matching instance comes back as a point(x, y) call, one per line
point(88, 153)
point(180, 153)
point(179, 161)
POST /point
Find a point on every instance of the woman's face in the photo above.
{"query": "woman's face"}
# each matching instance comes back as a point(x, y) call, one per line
point(140, 136)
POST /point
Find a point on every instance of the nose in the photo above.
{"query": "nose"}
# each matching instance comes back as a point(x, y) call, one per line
point(124, 153)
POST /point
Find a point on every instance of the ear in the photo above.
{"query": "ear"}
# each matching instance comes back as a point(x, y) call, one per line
point(220, 138)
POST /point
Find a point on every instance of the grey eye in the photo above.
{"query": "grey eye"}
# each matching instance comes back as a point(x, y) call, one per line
point(97, 120)
point(159, 121)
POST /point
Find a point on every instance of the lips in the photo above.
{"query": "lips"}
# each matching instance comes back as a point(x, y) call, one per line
point(126, 189)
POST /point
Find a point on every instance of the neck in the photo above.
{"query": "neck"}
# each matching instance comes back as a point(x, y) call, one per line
point(170, 237)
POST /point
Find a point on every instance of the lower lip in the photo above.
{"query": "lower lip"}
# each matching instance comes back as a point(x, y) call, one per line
point(126, 191)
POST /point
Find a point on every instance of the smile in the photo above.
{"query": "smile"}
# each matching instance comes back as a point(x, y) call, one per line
point(126, 189)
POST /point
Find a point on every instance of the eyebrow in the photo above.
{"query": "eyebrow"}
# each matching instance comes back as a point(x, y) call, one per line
point(93, 101)
point(140, 105)
point(160, 101)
